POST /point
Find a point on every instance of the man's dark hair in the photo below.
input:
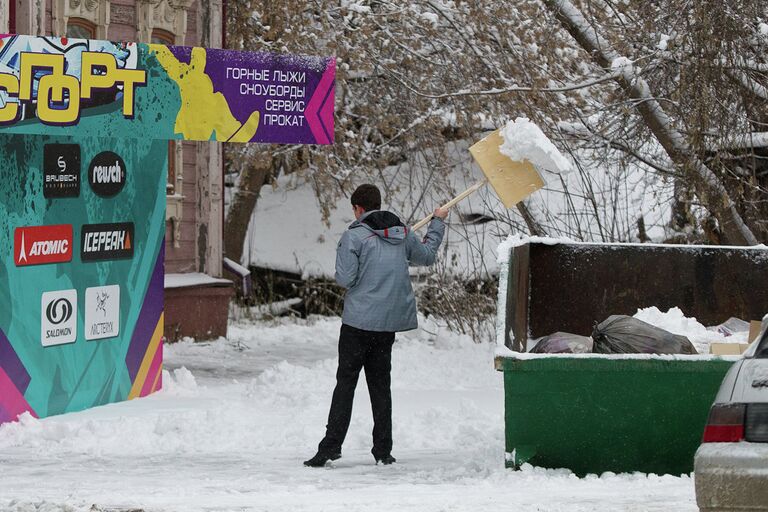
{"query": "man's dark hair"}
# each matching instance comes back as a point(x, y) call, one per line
point(367, 197)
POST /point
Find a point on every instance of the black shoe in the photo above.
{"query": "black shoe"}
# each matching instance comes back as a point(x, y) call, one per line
point(320, 459)
point(386, 460)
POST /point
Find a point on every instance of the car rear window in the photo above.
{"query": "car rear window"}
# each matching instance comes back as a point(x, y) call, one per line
point(762, 349)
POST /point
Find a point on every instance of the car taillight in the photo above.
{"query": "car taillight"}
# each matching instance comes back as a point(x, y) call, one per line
point(725, 424)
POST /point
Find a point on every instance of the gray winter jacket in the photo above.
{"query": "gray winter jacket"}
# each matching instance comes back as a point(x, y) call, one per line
point(372, 264)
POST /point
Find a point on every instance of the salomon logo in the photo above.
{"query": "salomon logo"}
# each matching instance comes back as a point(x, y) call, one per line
point(58, 318)
point(59, 311)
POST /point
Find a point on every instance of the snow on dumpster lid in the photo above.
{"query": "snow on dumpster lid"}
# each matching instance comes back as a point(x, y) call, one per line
point(518, 239)
point(194, 279)
point(503, 352)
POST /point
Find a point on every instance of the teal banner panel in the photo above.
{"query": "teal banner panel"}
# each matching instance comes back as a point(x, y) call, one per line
point(81, 271)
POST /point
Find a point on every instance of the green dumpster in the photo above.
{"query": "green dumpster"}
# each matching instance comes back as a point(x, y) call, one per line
point(595, 413)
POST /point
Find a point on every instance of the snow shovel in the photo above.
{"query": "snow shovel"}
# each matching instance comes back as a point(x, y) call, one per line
point(512, 180)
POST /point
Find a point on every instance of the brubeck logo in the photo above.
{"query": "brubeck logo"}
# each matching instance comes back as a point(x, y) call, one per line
point(61, 170)
point(107, 174)
point(98, 71)
point(58, 317)
point(102, 312)
point(106, 241)
point(37, 245)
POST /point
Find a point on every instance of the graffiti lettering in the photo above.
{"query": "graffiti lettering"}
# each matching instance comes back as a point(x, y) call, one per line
point(58, 94)
point(10, 85)
point(130, 78)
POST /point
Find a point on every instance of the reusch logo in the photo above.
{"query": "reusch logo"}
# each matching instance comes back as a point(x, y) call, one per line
point(38, 245)
point(106, 241)
point(61, 170)
point(107, 174)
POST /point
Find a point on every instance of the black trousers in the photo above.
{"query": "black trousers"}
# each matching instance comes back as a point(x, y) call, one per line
point(372, 351)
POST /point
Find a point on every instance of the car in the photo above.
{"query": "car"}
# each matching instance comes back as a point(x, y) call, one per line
point(731, 465)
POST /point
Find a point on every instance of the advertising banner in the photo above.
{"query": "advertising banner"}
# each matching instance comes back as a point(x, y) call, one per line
point(84, 127)
point(81, 271)
point(49, 85)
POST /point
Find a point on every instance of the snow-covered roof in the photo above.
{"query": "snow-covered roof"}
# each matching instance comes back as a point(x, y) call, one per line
point(194, 279)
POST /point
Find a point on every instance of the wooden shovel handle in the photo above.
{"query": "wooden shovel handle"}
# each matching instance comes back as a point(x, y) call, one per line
point(471, 190)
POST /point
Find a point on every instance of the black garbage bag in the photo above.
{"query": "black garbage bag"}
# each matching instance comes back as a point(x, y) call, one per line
point(563, 343)
point(621, 334)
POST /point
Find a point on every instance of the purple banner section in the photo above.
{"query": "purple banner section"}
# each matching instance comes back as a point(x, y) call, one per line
point(293, 94)
point(12, 365)
point(150, 314)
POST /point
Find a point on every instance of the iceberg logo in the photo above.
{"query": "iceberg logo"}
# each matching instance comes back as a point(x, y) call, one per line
point(106, 241)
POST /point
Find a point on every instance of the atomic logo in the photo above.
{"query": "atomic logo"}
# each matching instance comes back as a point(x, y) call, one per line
point(39, 245)
point(23, 252)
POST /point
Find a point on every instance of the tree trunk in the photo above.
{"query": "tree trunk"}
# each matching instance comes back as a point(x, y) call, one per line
point(709, 188)
point(253, 177)
point(534, 226)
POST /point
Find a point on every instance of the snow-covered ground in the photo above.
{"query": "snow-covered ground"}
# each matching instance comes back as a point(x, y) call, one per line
point(238, 416)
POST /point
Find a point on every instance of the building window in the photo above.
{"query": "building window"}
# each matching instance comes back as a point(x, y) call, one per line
point(162, 37)
point(12, 17)
point(78, 28)
point(171, 185)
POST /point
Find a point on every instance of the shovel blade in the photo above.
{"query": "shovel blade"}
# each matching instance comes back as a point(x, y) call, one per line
point(512, 181)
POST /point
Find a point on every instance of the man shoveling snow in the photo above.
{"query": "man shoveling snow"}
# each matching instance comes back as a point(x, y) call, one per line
point(372, 262)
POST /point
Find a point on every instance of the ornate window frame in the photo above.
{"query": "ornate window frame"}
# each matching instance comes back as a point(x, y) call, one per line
point(82, 23)
point(96, 12)
point(167, 15)
point(5, 18)
point(165, 22)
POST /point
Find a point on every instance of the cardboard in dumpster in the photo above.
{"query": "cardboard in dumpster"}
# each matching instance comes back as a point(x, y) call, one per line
point(513, 181)
point(727, 349)
point(754, 330)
